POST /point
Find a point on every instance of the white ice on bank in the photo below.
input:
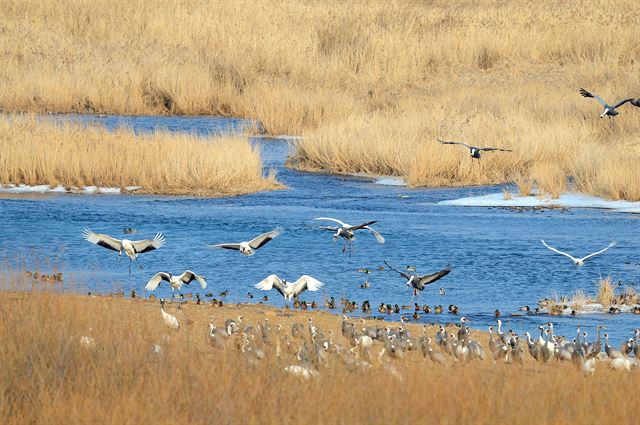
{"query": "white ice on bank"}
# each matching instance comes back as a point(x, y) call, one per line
point(389, 181)
point(591, 308)
point(567, 200)
point(43, 188)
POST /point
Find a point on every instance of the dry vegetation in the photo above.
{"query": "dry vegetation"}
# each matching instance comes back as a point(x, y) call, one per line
point(369, 85)
point(50, 376)
point(39, 152)
point(608, 293)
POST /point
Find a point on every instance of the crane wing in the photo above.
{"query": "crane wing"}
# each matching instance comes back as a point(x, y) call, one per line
point(331, 228)
point(104, 241)
point(235, 246)
point(265, 237)
point(271, 281)
point(622, 102)
point(188, 276)
point(377, 235)
point(430, 278)
point(335, 220)
point(558, 251)
point(306, 282)
point(494, 149)
point(147, 245)
point(403, 274)
point(153, 283)
point(585, 93)
point(361, 226)
point(454, 143)
point(613, 243)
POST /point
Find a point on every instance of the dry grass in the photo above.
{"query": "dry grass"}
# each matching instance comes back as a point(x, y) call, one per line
point(48, 376)
point(606, 291)
point(36, 152)
point(370, 85)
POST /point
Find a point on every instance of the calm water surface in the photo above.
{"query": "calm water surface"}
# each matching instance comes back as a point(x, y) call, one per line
point(498, 259)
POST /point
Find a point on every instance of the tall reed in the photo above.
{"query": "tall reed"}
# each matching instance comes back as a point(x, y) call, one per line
point(36, 152)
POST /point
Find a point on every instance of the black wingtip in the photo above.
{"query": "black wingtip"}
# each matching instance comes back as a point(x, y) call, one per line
point(585, 93)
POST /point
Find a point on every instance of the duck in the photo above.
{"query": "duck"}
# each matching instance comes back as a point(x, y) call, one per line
point(224, 293)
point(416, 316)
point(365, 285)
point(614, 310)
point(453, 309)
point(496, 313)
point(330, 303)
point(396, 308)
point(382, 308)
point(426, 309)
point(265, 298)
point(442, 291)
point(249, 295)
point(438, 309)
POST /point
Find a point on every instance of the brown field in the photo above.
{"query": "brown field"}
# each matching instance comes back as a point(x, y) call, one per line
point(370, 85)
point(36, 153)
point(49, 376)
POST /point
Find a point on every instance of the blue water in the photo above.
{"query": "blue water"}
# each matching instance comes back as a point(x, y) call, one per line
point(498, 259)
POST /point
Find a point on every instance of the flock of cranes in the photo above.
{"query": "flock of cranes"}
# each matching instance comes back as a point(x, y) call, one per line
point(608, 110)
point(288, 290)
point(306, 350)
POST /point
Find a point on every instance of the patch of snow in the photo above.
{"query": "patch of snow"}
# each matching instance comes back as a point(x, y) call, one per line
point(567, 200)
point(43, 188)
point(390, 181)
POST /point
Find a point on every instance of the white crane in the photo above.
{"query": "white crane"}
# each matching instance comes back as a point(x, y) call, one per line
point(578, 261)
point(169, 320)
point(249, 248)
point(347, 231)
point(176, 281)
point(609, 110)
point(130, 248)
point(288, 289)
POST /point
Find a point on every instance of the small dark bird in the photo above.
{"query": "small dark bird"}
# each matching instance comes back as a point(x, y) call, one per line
point(382, 308)
point(496, 313)
point(314, 304)
point(365, 270)
point(416, 307)
point(129, 231)
point(426, 309)
point(416, 316)
point(453, 309)
point(410, 268)
point(365, 285)
point(474, 151)
point(265, 298)
point(438, 309)
point(224, 293)
point(133, 293)
point(249, 295)
point(396, 308)
point(441, 291)
point(330, 303)
point(381, 268)
point(609, 110)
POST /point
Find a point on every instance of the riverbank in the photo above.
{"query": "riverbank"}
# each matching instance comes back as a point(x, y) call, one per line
point(73, 157)
point(77, 359)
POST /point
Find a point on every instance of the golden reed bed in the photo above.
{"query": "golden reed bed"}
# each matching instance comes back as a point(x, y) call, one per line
point(370, 85)
point(51, 374)
point(39, 152)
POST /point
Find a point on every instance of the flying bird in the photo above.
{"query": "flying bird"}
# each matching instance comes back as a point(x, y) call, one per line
point(418, 282)
point(288, 289)
point(130, 248)
point(609, 110)
point(347, 231)
point(249, 248)
point(474, 151)
point(577, 261)
point(176, 281)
